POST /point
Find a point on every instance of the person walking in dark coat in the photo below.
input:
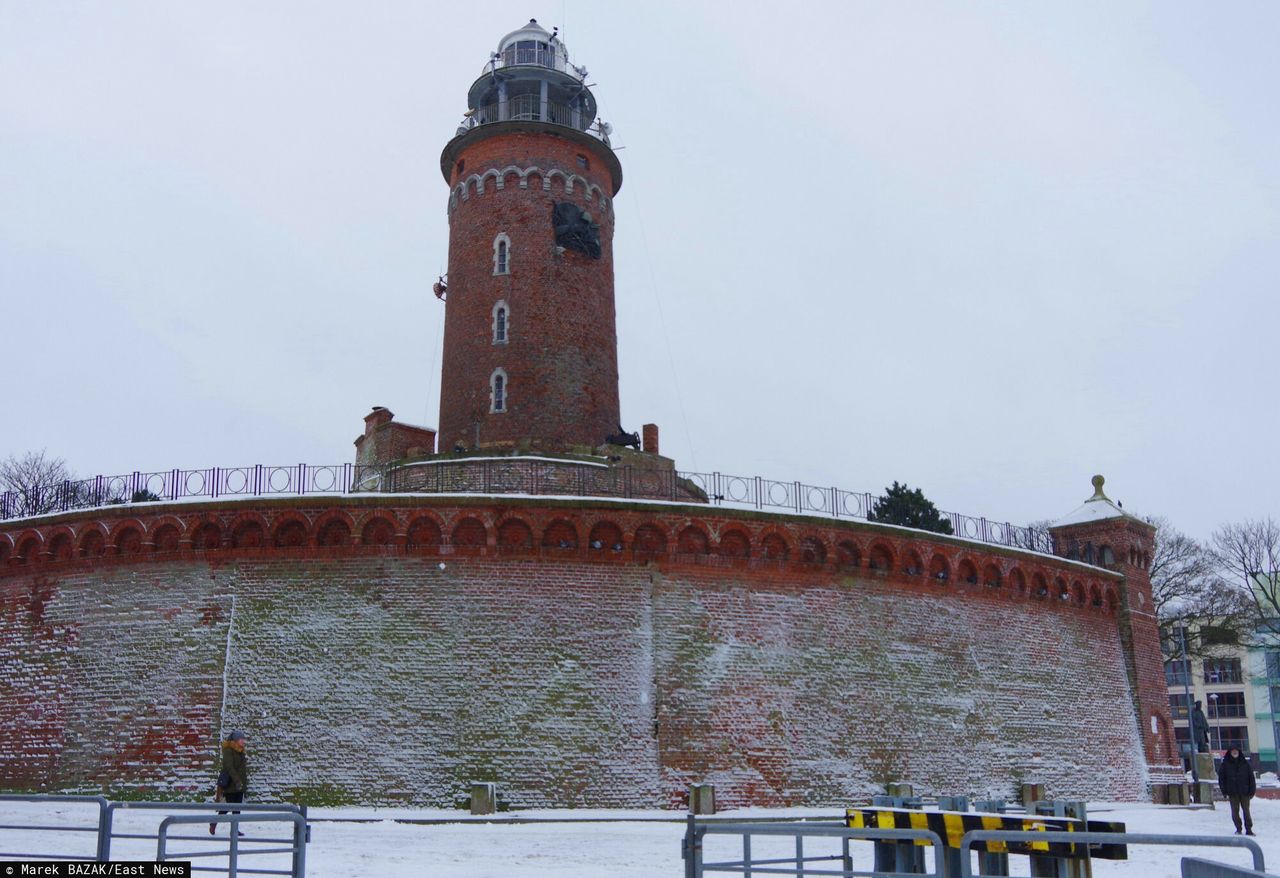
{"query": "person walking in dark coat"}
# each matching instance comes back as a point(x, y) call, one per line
point(233, 779)
point(1235, 779)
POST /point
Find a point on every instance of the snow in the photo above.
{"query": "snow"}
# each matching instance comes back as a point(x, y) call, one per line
point(407, 843)
point(1092, 510)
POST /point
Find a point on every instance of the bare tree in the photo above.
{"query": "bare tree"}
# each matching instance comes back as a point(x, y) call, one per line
point(32, 484)
point(1190, 592)
point(1249, 552)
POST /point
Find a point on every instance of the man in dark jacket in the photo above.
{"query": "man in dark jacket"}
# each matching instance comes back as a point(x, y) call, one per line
point(233, 779)
point(1235, 779)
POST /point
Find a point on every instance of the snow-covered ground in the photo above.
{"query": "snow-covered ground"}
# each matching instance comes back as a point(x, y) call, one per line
point(353, 843)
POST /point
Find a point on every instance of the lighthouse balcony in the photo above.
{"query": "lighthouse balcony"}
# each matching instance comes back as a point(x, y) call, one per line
point(532, 108)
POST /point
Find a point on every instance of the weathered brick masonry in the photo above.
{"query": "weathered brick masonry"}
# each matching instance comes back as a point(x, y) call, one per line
point(560, 353)
point(392, 649)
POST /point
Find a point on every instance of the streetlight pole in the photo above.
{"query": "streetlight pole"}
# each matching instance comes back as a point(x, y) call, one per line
point(1191, 725)
point(1213, 715)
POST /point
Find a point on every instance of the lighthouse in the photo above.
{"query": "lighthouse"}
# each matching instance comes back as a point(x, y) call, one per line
point(530, 341)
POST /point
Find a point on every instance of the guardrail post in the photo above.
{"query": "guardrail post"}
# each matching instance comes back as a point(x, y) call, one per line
point(895, 856)
point(301, 835)
point(991, 864)
point(951, 856)
point(257, 479)
point(1081, 866)
point(302, 478)
point(1042, 865)
point(759, 495)
point(106, 821)
point(691, 849)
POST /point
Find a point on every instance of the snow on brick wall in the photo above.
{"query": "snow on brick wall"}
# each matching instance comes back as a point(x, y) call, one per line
point(384, 679)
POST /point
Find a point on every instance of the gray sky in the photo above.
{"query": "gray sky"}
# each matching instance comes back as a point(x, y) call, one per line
point(988, 249)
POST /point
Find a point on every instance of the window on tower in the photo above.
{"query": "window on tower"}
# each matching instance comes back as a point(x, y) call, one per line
point(500, 323)
point(502, 254)
point(498, 391)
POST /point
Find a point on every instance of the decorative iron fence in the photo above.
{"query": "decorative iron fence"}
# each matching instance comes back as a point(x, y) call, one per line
point(531, 476)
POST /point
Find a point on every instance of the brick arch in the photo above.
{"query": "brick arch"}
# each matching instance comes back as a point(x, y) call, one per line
point(1018, 581)
point(61, 544)
point(127, 537)
point(967, 571)
point(692, 540)
point(734, 543)
point(560, 534)
point(205, 534)
point(514, 534)
point(333, 529)
point(605, 536)
point(1078, 593)
point(290, 531)
point(848, 555)
point(1039, 586)
point(912, 563)
point(92, 542)
point(166, 535)
point(939, 567)
point(813, 550)
point(774, 546)
point(649, 539)
point(377, 529)
point(28, 548)
point(249, 531)
point(6, 548)
point(991, 575)
point(880, 557)
point(470, 533)
point(1060, 589)
point(1095, 595)
point(1113, 601)
point(424, 532)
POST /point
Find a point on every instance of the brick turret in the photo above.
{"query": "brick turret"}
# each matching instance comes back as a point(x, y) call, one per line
point(1100, 532)
point(530, 344)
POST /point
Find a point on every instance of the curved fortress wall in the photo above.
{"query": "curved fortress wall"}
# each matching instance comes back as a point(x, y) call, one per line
point(570, 674)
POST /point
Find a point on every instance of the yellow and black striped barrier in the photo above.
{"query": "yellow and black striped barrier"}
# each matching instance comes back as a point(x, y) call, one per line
point(952, 825)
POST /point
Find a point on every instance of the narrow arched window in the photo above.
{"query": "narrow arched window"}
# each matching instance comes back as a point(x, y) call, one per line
point(501, 322)
point(502, 254)
point(498, 391)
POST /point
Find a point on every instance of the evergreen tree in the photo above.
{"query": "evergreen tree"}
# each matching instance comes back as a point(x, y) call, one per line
point(909, 508)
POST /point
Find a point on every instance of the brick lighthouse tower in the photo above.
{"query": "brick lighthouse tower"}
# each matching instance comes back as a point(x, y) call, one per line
point(530, 344)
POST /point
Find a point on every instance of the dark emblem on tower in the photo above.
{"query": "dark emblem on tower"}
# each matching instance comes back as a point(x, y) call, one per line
point(575, 229)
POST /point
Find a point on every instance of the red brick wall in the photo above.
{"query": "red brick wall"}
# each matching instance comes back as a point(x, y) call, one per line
point(364, 670)
point(1132, 544)
point(561, 356)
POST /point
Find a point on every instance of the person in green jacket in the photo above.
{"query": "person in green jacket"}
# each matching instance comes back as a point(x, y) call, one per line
point(233, 778)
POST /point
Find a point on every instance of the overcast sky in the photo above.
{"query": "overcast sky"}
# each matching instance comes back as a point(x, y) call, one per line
point(988, 249)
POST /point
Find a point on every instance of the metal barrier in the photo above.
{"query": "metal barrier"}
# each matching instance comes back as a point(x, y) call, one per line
point(1193, 867)
point(96, 828)
point(297, 845)
point(209, 810)
point(104, 828)
point(800, 865)
point(1092, 838)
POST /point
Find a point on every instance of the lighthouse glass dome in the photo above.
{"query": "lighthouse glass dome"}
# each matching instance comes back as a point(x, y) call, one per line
point(530, 79)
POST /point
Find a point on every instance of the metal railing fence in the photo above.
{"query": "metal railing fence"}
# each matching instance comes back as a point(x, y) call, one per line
point(1092, 838)
point(207, 810)
point(97, 827)
point(106, 832)
point(801, 864)
point(539, 477)
point(297, 845)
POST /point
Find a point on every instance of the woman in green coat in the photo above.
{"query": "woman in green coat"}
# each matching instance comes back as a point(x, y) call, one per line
point(233, 778)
